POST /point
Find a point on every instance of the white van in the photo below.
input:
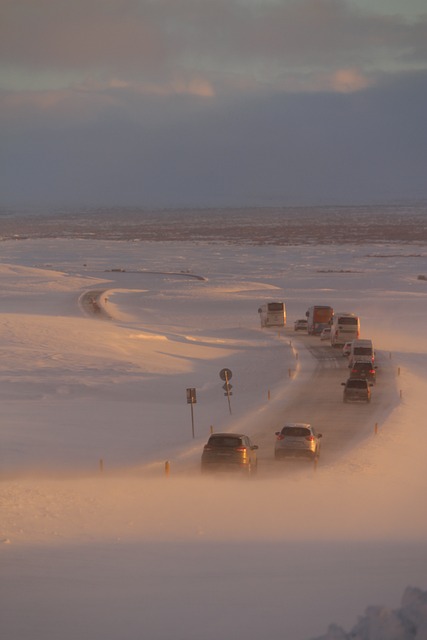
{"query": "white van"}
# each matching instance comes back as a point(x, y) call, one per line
point(273, 314)
point(362, 350)
point(345, 327)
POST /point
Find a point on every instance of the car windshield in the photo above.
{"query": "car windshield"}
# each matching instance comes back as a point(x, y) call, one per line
point(296, 432)
point(225, 441)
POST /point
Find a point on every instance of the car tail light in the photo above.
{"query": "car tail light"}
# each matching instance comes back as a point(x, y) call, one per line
point(309, 438)
point(240, 449)
point(372, 371)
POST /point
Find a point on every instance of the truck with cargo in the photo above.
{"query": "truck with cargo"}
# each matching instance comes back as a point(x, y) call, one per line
point(319, 317)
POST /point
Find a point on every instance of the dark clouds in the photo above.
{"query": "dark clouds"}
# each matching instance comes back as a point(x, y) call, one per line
point(193, 102)
point(144, 41)
point(283, 149)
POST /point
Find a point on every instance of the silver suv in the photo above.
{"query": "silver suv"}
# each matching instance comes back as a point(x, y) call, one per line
point(357, 389)
point(297, 439)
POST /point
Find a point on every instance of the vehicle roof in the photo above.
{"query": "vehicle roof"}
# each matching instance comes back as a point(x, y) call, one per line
point(343, 313)
point(297, 424)
point(229, 435)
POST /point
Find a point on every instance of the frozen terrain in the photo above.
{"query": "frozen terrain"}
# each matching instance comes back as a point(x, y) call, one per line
point(98, 542)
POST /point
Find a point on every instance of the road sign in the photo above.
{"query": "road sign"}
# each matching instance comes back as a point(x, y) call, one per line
point(191, 396)
point(225, 374)
point(227, 387)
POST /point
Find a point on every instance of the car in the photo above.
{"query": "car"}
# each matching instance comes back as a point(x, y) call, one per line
point(229, 451)
point(357, 389)
point(346, 350)
point(326, 333)
point(297, 439)
point(364, 369)
point(300, 325)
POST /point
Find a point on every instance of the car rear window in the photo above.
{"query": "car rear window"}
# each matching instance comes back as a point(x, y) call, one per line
point(356, 384)
point(362, 351)
point(225, 441)
point(296, 432)
point(362, 366)
point(347, 320)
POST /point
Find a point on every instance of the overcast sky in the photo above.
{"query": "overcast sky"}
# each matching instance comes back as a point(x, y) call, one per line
point(212, 102)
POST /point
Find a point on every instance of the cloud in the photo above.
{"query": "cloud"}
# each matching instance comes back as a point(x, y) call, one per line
point(178, 101)
point(183, 150)
point(349, 80)
point(226, 43)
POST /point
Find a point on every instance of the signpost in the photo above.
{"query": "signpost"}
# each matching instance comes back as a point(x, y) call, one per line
point(191, 399)
point(225, 374)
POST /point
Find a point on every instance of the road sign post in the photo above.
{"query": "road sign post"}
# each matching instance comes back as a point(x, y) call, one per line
point(225, 374)
point(191, 399)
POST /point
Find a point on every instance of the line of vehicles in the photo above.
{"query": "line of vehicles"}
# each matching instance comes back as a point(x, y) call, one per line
point(235, 451)
point(363, 370)
point(342, 330)
point(321, 320)
point(300, 439)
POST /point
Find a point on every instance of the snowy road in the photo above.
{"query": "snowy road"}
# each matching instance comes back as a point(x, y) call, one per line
point(319, 402)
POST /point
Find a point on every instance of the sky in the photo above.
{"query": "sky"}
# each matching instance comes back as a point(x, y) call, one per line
point(212, 102)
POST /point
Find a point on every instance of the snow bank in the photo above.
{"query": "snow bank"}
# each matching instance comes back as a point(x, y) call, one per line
point(409, 622)
point(90, 554)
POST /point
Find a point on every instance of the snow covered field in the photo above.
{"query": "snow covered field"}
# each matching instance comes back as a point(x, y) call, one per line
point(130, 552)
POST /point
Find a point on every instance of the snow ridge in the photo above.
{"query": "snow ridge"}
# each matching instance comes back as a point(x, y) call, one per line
point(380, 623)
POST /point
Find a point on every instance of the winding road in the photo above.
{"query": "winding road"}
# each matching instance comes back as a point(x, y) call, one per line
point(317, 400)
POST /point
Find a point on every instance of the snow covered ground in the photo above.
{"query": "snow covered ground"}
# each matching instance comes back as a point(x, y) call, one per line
point(99, 542)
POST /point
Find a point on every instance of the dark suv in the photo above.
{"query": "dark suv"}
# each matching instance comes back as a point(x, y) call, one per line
point(357, 389)
point(228, 451)
point(364, 369)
